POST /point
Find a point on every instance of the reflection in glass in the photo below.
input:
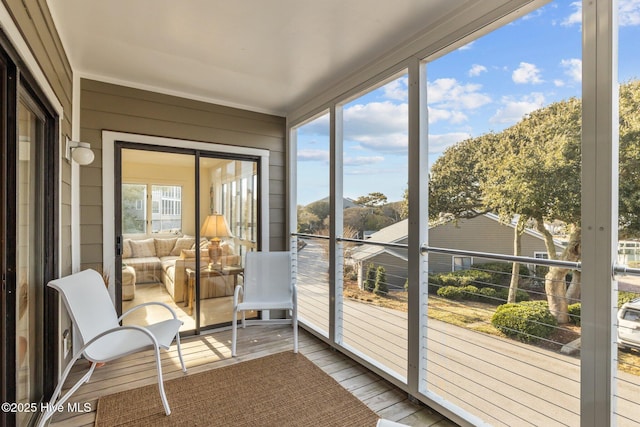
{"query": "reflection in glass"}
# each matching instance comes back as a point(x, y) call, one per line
point(29, 260)
point(161, 258)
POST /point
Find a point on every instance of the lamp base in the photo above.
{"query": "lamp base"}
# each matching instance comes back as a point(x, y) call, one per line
point(214, 252)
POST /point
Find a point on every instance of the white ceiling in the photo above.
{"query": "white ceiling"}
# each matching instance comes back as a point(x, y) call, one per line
point(268, 56)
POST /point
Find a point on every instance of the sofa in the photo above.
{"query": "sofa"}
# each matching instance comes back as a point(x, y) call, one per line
point(166, 260)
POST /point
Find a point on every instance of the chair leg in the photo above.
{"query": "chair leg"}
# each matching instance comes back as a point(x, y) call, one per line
point(294, 321)
point(184, 368)
point(163, 395)
point(234, 332)
point(54, 402)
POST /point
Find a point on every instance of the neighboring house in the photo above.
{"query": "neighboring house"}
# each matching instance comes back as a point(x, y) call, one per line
point(482, 234)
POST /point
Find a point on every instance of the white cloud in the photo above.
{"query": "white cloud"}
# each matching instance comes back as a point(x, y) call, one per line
point(453, 116)
point(313, 155)
point(379, 126)
point(526, 73)
point(575, 17)
point(629, 12)
point(397, 89)
point(362, 160)
point(558, 83)
point(573, 68)
point(514, 110)
point(439, 143)
point(477, 69)
point(449, 93)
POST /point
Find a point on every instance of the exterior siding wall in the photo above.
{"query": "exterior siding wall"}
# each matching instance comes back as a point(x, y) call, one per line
point(33, 19)
point(395, 269)
point(479, 234)
point(106, 106)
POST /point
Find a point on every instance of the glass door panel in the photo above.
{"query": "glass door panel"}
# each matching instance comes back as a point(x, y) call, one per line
point(228, 198)
point(158, 233)
point(185, 231)
point(29, 302)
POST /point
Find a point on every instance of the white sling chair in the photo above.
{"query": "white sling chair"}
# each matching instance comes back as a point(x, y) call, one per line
point(103, 338)
point(268, 285)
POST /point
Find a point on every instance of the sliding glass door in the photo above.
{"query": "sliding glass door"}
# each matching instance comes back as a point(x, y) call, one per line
point(187, 218)
point(28, 239)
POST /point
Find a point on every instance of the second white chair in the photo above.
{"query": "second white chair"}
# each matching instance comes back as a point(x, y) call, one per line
point(268, 285)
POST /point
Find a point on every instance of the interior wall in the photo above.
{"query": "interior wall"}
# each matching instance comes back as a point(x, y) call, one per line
point(106, 106)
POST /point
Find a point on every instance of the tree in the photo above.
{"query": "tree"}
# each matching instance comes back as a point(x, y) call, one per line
point(370, 280)
point(529, 171)
point(629, 171)
point(371, 200)
point(380, 287)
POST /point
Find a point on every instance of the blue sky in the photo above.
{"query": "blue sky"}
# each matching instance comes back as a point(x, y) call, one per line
point(487, 85)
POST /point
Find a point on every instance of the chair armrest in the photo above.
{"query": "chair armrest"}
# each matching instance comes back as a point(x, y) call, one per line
point(237, 293)
point(131, 310)
point(117, 329)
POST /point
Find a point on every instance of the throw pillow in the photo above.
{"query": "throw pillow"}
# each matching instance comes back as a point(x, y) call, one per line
point(126, 249)
point(164, 246)
point(143, 248)
point(182, 243)
point(187, 253)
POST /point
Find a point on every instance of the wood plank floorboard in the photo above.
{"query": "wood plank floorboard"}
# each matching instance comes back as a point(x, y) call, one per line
point(213, 350)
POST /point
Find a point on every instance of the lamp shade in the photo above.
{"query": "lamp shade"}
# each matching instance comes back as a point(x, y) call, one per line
point(215, 226)
point(80, 152)
point(82, 155)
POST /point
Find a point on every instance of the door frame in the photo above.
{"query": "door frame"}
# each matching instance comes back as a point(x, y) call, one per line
point(19, 84)
point(110, 178)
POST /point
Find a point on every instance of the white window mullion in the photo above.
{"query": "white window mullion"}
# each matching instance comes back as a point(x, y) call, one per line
point(418, 223)
point(599, 210)
point(336, 226)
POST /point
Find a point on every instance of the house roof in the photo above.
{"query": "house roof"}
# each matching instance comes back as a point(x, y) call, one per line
point(267, 56)
point(400, 231)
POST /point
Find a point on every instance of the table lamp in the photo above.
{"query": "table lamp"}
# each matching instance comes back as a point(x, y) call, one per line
point(215, 226)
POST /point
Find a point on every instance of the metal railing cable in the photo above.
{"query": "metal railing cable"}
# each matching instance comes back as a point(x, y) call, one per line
point(487, 255)
point(442, 349)
point(618, 269)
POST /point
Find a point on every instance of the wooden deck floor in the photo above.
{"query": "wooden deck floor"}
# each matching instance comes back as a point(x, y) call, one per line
point(212, 351)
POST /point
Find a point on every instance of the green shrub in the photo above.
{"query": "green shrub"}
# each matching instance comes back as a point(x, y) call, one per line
point(487, 295)
point(459, 278)
point(434, 283)
point(626, 297)
point(527, 321)
point(574, 313)
point(370, 280)
point(380, 287)
point(406, 284)
point(451, 292)
point(502, 295)
point(499, 273)
point(470, 293)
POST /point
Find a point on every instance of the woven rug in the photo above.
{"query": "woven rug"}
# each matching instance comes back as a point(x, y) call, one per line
point(283, 389)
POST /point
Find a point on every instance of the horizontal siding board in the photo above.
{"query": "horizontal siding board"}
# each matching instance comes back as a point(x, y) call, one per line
point(44, 49)
point(117, 108)
point(126, 93)
point(149, 126)
point(177, 114)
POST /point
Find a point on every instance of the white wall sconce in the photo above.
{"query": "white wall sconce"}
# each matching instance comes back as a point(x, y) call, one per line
point(80, 152)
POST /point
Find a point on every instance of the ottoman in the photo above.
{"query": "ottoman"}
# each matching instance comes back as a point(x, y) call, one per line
point(128, 283)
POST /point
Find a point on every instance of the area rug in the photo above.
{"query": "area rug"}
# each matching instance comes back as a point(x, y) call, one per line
point(283, 389)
